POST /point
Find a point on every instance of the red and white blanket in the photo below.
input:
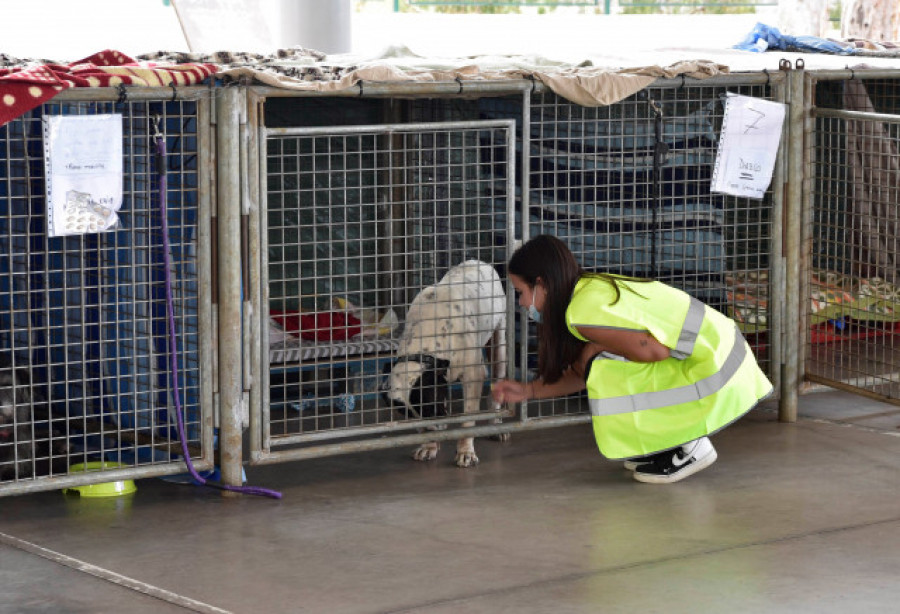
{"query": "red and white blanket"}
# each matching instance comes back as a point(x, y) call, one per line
point(23, 88)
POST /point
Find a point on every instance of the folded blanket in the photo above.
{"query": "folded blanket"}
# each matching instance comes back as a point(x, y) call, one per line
point(318, 326)
point(25, 87)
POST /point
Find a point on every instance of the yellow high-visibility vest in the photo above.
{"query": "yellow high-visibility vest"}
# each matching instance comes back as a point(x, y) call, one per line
point(710, 379)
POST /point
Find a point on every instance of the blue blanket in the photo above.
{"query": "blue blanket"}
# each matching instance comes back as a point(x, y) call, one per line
point(764, 38)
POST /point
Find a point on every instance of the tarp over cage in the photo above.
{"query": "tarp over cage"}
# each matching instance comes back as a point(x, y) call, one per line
point(602, 75)
point(307, 69)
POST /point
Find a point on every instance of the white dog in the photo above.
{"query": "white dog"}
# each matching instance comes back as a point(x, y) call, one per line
point(448, 327)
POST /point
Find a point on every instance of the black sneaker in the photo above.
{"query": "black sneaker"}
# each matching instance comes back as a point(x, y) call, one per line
point(678, 464)
point(633, 463)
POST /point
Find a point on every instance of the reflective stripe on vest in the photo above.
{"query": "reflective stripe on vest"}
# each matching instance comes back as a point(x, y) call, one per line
point(675, 396)
point(687, 337)
point(689, 330)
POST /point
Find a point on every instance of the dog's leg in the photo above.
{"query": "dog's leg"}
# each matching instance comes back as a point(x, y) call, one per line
point(472, 389)
point(497, 354)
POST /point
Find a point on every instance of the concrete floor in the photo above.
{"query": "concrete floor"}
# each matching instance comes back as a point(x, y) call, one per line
point(799, 517)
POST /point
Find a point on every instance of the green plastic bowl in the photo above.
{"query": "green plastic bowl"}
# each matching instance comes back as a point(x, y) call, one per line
point(105, 489)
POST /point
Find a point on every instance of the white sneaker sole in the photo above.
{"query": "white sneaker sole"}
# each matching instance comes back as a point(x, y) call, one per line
point(687, 471)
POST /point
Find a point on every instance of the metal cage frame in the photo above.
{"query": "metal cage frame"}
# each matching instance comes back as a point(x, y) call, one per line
point(391, 433)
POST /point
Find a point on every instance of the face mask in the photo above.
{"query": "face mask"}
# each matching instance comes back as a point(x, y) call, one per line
point(533, 314)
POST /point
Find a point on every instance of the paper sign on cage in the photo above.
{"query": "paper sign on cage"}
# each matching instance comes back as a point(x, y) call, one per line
point(83, 162)
point(748, 146)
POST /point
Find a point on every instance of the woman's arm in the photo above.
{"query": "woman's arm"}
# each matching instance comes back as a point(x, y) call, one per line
point(570, 383)
point(511, 391)
point(637, 346)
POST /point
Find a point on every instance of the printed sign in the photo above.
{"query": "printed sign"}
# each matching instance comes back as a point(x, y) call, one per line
point(748, 146)
point(83, 161)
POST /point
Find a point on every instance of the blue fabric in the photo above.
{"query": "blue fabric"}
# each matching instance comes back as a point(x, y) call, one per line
point(765, 38)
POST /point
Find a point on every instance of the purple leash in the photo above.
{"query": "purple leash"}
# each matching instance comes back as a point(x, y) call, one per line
point(173, 345)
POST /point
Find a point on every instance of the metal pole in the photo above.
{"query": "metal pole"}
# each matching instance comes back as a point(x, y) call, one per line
point(206, 196)
point(807, 139)
point(793, 210)
point(503, 87)
point(862, 115)
point(525, 234)
point(257, 345)
point(228, 113)
point(776, 262)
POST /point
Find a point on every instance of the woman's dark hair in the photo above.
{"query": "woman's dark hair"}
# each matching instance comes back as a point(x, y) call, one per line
point(547, 258)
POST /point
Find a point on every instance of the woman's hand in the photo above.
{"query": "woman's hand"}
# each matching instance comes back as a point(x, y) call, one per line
point(510, 391)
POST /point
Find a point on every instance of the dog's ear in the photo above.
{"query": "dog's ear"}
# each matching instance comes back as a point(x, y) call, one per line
point(424, 395)
point(398, 389)
point(433, 394)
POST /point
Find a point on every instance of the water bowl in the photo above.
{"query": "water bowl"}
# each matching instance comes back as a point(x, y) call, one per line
point(104, 489)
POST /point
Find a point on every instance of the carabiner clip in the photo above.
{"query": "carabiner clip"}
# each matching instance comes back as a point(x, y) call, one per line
point(156, 130)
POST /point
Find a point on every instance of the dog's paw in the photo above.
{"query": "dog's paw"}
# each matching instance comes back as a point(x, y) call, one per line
point(466, 459)
point(504, 437)
point(427, 451)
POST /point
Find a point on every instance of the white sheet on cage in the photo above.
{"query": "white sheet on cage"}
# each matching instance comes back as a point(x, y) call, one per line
point(83, 158)
point(748, 146)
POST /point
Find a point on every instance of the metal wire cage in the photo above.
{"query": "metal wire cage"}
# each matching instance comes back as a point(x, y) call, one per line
point(852, 280)
point(83, 316)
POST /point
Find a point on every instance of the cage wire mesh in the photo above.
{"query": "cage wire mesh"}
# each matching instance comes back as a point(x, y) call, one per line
point(83, 317)
point(594, 182)
point(853, 278)
point(358, 222)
